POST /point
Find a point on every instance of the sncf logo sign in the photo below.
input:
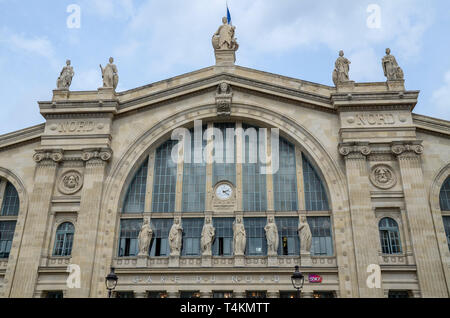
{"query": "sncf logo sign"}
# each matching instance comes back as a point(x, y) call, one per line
point(313, 278)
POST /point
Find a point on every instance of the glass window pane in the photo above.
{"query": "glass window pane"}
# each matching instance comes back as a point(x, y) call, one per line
point(444, 196)
point(10, 205)
point(289, 242)
point(192, 232)
point(6, 237)
point(285, 180)
point(135, 197)
point(165, 179)
point(253, 181)
point(446, 220)
point(226, 169)
point(129, 233)
point(315, 195)
point(322, 240)
point(256, 236)
point(389, 236)
point(222, 245)
point(194, 179)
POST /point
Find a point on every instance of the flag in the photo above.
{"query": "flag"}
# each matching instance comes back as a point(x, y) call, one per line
point(228, 15)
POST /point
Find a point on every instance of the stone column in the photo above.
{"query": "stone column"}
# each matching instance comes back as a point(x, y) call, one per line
point(26, 273)
point(364, 225)
point(84, 246)
point(430, 272)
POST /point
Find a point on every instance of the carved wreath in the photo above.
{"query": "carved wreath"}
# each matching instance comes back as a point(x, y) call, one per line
point(70, 182)
point(383, 177)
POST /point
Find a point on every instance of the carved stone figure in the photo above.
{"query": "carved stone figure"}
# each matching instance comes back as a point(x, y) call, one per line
point(110, 75)
point(272, 237)
point(305, 235)
point(391, 69)
point(239, 237)
point(208, 234)
point(175, 237)
point(383, 177)
point(145, 237)
point(70, 182)
point(342, 68)
point(65, 78)
point(224, 39)
point(224, 98)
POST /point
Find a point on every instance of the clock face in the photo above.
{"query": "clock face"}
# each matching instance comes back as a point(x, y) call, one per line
point(224, 191)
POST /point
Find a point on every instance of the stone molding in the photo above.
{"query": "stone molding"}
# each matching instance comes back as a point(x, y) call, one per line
point(381, 152)
point(58, 156)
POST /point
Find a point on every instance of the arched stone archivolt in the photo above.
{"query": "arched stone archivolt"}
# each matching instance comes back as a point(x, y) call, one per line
point(435, 189)
point(9, 176)
point(334, 181)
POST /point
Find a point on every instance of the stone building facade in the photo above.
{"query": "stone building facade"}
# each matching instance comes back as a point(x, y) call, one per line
point(371, 177)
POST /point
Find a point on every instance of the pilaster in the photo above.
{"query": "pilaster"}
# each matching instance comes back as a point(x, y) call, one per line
point(430, 273)
point(26, 274)
point(84, 246)
point(364, 225)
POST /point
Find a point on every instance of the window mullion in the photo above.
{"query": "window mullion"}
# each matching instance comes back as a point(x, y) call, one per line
point(269, 176)
point(179, 185)
point(149, 186)
point(209, 168)
point(300, 184)
point(2, 194)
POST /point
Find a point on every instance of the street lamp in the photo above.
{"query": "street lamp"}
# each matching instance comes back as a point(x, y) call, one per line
point(297, 280)
point(111, 281)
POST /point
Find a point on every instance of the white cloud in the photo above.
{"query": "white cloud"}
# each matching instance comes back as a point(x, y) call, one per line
point(89, 79)
point(40, 46)
point(441, 99)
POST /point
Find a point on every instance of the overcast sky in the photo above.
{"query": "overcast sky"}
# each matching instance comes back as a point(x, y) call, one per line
point(152, 40)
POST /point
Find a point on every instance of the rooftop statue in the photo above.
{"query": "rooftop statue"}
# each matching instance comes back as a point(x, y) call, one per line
point(224, 38)
point(65, 78)
point(342, 68)
point(110, 75)
point(391, 69)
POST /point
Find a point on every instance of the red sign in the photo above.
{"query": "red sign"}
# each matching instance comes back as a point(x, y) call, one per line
point(313, 278)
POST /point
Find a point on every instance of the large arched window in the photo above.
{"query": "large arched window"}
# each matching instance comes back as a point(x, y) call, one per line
point(185, 188)
point(389, 236)
point(9, 204)
point(444, 200)
point(64, 239)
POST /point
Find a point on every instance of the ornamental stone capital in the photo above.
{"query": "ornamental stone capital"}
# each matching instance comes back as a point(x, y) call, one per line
point(48, 155)
point(354, 149)
point(99, 154)
point(407, 148)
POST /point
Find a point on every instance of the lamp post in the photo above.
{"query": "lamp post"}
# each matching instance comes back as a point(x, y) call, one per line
point(297, 280)
point(111, 282)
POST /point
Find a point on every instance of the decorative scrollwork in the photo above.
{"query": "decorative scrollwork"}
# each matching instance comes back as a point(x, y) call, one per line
point(399, 149)
point(101, 154)
point(55, 156)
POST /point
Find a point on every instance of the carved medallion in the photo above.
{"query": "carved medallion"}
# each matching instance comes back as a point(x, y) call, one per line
point(70, 182)
point(383, 177)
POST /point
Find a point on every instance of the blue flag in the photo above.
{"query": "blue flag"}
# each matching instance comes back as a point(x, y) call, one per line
point(228, 15)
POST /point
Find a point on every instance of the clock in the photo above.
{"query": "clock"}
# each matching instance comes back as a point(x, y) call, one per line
point(224, 191)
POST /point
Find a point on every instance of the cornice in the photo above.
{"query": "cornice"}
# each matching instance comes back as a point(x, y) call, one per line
point(20, 136)
point(432, 125)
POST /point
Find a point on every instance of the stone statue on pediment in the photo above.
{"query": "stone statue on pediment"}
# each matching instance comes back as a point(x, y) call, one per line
point(342, 69)
point(208, 234)
point(145, 237)
point(392, 71)
point(224, 38)
point(272, 237)
point(239, 237)
point(110, 75)
point(175, 238)
point(305, 235)
point(65, 78)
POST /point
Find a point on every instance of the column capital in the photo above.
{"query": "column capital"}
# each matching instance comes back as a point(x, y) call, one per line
point(414, 148)
point(355, 150)
point(102, 154)
point(48, 155)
